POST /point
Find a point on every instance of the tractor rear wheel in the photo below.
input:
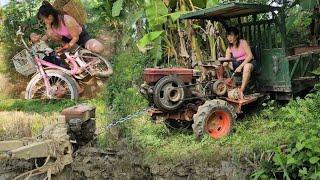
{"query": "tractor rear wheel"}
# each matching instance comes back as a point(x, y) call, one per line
point(215, 118)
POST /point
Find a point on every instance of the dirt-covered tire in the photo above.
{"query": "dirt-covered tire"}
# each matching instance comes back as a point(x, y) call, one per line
point(169, 93)
point(36, 88)
point(219, 87)
point(102, 69)
point(215, 118)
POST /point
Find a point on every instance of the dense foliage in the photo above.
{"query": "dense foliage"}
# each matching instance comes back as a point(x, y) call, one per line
point(298, 158)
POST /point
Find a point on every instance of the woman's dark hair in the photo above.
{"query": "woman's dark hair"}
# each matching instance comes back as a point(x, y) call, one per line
point(46, 10)
point(234, 31)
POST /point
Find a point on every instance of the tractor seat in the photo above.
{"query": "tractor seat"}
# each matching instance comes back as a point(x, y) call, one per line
point(256, 52)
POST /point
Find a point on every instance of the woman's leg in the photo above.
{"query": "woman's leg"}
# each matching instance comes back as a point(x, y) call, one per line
point(94, 46)
point(247, 69)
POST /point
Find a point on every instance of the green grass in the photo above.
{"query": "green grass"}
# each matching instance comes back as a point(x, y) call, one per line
point(265, 129)
point(37, 106)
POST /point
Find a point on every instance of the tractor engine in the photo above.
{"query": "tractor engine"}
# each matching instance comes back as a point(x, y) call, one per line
point(167, 88)
point(176, 93)
point(81, 123)
point(173, 94)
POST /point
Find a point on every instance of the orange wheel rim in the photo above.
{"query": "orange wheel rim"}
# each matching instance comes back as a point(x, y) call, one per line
point(218, 124)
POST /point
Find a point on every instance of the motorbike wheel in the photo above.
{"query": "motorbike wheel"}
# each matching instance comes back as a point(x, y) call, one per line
point(102, 68)
point(63, 86)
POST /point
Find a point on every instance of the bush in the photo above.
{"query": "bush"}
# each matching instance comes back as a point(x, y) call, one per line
point(122, 93)
point(299, 158)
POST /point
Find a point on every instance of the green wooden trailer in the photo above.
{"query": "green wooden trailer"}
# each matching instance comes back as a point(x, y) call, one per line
point(282, 71)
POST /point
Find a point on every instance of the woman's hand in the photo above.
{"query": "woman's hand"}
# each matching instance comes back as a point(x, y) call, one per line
point(67, 46)
point(64, 47)
point(58, 49)
point(239, 69)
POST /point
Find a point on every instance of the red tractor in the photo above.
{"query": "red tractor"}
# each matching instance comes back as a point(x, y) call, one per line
point(208, 100)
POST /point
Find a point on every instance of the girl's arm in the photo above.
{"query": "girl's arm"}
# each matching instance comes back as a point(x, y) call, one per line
point(227, 57)
point(228, 53)
point(73, 27)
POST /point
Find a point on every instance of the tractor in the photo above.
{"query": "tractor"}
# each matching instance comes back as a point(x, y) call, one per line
point(208, 100)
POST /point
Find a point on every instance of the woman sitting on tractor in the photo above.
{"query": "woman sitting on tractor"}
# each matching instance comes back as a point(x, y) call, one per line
point(240, 51)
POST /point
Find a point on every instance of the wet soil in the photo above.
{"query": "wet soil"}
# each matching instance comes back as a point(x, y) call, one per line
point(95, 164)
point(92, 163)
point(10, 169)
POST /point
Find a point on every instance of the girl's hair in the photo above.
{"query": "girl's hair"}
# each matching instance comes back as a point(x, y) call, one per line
point(46, 10)
point(234, 31)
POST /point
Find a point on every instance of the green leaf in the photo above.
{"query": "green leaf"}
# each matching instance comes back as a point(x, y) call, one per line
point(199, 3)
point(117, 8)
point(107, 8)
point(135, 17)
point(156, 12)
point(156, 52)
point(211, 3)
point(149, 38)
point(303, 171)
point(314, 160)
point(195, 26)
point(308, 4)
point(174, 16)
point(299, 146)
point(317, 71)
point(258, 174)
point(291, 160)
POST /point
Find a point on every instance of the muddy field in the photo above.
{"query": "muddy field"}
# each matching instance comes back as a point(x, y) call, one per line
point(120, 163)
point(93, 163)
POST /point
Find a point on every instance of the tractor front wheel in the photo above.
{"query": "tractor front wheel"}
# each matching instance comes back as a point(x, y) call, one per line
point(215, 118)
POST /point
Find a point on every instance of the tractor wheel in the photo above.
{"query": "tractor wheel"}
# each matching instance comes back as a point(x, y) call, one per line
point(173, 124)
point(220, 87)
point(169, 93)
point(215, 118)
